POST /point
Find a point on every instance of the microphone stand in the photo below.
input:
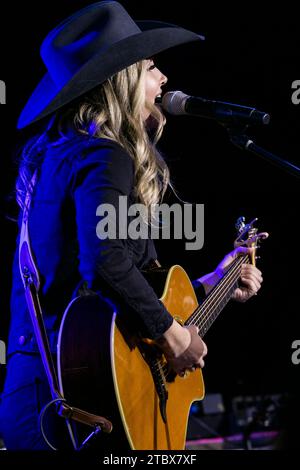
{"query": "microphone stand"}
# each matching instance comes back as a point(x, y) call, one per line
point(241, 140)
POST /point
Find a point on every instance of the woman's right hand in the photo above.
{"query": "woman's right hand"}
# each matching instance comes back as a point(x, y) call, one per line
point(183, 348)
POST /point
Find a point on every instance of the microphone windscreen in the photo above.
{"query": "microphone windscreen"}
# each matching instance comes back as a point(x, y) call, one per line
point(174, 102)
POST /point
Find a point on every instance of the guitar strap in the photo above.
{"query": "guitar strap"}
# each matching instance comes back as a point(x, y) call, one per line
point(31, 281)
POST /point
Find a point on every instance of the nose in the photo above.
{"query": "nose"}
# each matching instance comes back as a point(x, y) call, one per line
point(163, 79)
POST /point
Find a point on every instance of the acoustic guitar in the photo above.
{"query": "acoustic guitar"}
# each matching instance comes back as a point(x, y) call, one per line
point(107, 369)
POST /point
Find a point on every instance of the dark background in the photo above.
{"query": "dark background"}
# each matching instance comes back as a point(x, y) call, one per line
point(247, 58)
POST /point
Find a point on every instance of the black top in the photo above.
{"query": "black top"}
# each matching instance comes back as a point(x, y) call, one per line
point(75, 178)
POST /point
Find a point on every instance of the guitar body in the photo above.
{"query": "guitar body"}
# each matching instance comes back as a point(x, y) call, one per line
point(106, 370)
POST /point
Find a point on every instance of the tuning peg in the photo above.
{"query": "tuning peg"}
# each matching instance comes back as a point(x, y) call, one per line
point(240, 224)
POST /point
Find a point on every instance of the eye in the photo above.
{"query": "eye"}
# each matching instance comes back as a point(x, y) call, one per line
point(151, 67)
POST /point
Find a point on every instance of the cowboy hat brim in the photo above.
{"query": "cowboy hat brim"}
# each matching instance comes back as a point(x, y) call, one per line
point(154, 38)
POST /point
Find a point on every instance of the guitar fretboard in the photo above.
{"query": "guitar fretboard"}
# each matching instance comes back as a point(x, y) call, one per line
point(205, 315)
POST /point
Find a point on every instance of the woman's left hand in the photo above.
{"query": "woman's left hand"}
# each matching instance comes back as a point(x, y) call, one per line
point(251, 276)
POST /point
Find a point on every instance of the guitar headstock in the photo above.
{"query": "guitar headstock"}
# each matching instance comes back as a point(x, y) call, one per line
point(248, 236)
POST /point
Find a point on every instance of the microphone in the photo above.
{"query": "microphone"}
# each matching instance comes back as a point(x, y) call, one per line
point(177, 103)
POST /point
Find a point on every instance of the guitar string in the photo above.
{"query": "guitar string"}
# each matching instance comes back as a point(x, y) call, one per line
point(215, 299)
point(211, 301)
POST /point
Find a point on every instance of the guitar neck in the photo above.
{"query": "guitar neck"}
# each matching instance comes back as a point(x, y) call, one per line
point(205, 315)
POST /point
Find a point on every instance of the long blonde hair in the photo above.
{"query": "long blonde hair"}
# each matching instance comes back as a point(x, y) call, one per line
point(113, 110)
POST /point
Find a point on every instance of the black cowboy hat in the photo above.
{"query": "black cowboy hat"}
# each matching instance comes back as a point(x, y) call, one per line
point(89, 47)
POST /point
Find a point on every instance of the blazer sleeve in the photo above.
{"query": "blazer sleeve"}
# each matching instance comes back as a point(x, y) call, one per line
point(100, 177)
